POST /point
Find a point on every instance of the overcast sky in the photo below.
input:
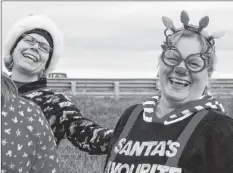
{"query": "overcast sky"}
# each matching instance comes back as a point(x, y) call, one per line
point(122, 39)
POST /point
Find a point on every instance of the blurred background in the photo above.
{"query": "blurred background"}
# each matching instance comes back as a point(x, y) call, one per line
point(122, 39)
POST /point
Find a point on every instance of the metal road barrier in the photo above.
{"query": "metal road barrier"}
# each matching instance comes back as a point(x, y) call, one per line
point(126, 87)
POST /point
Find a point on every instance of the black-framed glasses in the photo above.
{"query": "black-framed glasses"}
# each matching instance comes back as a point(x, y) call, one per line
point(32, 41)
point(193, 62)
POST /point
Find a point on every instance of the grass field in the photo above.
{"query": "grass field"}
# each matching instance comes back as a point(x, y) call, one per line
point(106, 112)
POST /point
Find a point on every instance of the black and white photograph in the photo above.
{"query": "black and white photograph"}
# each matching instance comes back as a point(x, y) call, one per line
point(116, 87)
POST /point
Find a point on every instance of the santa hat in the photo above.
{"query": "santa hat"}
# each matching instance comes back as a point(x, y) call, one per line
point(27, 24)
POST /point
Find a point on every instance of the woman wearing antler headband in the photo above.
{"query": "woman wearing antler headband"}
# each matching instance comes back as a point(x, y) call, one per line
point(183, 129)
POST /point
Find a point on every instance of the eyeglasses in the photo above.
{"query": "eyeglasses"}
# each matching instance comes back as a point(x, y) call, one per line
point(193, 62)
point(32, 41)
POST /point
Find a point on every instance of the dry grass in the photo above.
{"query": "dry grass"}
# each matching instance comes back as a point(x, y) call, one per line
point(106, 112)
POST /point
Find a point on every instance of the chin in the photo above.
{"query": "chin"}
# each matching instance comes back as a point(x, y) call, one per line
point(27, 69)
point(177, 94)
point(176, 97)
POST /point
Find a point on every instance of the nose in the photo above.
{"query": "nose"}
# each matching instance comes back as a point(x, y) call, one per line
point(35, 47)
point(181, 69)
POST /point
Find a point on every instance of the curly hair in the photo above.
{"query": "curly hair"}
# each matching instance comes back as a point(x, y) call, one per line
point(175, 38)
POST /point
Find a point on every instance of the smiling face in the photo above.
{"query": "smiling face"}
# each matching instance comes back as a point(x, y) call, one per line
point(176, 87)
point(29, 59)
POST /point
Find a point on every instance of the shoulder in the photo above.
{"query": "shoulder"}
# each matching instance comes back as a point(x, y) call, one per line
point(21, 112)
point(126, 114)
point(218, 124)
point(58, 97)
point(34, 116)
point(64, 96)
point(218, 117)
point(39, 95)
point(45, 94)
point(21, 103)
point(29, 108)
point(128, 111)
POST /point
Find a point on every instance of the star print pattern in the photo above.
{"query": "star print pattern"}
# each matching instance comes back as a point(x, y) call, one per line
point(66, 120)
point(27, 142)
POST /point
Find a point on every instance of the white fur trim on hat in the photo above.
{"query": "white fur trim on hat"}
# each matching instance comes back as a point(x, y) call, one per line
point(29, 23)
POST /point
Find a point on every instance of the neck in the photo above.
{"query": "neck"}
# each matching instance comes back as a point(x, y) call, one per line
point(164, 107)
point(22, 77)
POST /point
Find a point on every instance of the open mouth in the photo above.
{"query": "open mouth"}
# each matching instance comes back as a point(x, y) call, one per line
point(31, 57)
point(179, 82)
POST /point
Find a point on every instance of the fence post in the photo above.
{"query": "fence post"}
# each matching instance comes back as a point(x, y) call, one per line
point(116, 90)
point(73, 87)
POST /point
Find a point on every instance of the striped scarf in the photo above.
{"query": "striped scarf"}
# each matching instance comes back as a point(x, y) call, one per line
point(204, 102)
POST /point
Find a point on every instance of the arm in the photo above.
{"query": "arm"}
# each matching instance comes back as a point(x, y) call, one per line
point(80, 131)
point(219, 148)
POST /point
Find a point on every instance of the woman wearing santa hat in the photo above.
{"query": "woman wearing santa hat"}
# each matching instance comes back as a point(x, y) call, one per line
point(31, 50)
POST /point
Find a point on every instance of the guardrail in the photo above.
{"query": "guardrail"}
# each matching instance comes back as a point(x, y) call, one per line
point(126, 87)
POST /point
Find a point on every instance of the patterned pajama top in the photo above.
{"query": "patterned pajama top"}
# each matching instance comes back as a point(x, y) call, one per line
point(27, 142)
point(66, 120)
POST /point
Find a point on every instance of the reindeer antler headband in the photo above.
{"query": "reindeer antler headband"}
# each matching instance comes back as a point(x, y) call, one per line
point(184, 18)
